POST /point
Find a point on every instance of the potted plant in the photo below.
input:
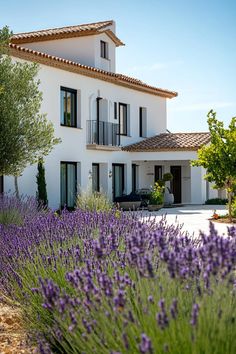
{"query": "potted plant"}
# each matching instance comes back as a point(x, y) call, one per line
point(156, 201)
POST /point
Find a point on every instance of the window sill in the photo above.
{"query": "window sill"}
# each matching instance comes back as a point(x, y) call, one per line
point(69, 126)
point(105, 58)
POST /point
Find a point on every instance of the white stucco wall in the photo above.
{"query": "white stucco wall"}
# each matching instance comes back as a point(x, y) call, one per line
point(73, 146)
point(84, 50)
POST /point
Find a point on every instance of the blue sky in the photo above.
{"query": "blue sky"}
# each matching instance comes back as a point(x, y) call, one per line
point(184, 45)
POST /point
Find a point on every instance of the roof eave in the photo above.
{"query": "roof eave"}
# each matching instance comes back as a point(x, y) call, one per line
point(45, 59)
point(160, 150)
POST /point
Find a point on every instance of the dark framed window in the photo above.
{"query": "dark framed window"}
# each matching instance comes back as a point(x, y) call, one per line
point(118, 179)
point(123, 118)
point(157, 173)
point(95, 177)
point(142, 122)
point(1, 184)
point(68, 107)
point(115, 110)
point(104, 49)
point(134, 177)
point(68, 184)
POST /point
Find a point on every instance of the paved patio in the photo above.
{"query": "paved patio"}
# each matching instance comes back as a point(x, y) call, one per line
point(193, 217)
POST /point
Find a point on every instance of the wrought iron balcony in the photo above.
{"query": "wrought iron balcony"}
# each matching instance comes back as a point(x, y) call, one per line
point(102, 133)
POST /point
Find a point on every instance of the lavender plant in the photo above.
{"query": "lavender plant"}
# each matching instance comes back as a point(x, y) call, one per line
point(16, 210)
point(107, 283)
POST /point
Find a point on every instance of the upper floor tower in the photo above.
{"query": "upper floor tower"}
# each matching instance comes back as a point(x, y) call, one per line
point(91, 44)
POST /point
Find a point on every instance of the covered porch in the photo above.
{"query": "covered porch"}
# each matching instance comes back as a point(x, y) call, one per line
point(187, 185)
point(171, 152)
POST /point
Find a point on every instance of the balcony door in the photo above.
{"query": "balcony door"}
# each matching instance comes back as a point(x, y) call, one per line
point(118, 179)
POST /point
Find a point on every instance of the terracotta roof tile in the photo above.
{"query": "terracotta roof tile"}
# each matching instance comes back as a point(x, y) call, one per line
point(170, 141)
point(67, 32)
point(64, 64)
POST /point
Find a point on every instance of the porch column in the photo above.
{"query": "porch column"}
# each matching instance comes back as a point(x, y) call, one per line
point(86, 174)
point(198, 185)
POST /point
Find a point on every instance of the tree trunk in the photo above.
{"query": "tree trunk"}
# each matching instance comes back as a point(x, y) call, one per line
point(16, 187)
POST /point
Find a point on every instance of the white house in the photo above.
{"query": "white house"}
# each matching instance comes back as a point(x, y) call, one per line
point(113, 127)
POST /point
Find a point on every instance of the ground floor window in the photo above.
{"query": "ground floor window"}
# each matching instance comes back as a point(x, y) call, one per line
point(95, 177)
point(134, 177)
point(68, 183)
point(118, 175)
point(157, 173)
point(1, 184)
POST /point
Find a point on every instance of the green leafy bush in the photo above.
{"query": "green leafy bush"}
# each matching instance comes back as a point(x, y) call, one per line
point(157, 194)
point(216, 201)
point(234, 208)
point(93, 201)
point(167, 177)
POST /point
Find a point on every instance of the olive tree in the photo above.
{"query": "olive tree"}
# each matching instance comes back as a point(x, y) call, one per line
point(26, 134)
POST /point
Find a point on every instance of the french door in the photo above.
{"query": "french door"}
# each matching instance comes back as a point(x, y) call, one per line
point(68, 184)
point(95, 177)
point(118, 180)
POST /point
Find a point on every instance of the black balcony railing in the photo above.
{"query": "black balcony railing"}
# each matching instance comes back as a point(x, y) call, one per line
point(102, 133)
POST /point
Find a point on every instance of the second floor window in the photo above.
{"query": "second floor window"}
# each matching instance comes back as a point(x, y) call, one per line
point(68, 107)
point(143, 122)
point(123, 119)
point(104, 49)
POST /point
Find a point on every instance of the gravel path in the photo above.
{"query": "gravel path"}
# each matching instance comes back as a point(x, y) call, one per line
point(12, 335)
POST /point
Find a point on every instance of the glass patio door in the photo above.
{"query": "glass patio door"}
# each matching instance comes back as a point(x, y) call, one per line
point(68, 184)
point(118, 180)
point(95, 178)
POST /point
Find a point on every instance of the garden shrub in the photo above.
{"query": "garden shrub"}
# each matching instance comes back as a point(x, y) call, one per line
point(216, 201)
point(157, 194)
point(93, 201)
point(234, 208)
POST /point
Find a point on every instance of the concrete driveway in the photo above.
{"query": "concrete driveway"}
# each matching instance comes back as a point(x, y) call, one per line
point(193, 217)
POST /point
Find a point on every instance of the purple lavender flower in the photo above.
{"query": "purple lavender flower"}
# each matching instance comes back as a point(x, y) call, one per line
point(194, 314)
point(146, 345)
point(174, 309)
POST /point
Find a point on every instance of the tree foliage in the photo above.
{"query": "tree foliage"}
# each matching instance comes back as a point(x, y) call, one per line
point(219, 157)
point(26, 134)
point(5, 35)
